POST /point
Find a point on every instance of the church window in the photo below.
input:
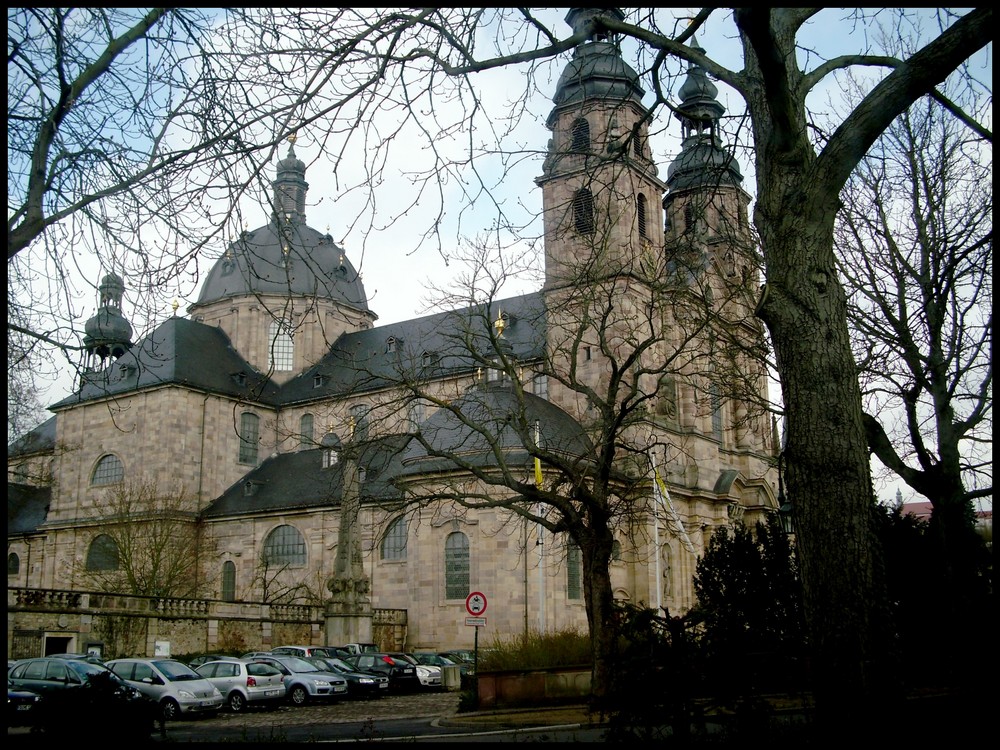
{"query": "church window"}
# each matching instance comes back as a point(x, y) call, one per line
point(306, 430)
point(637, 145)
point(285, 546)
point(109, 470)
point(330, 457)
point(359, 417)
point(574, 572)
point(103, 554)
point(228, 581)
point(688, 217)
point(640, 211)
point(390, 345)
point(540, 385)
point(282, 347)
point(249, 437)
point(418, 413)
point(394, 541)
point(583, 211)
point(456, 566)
point(616, 551)
point(13, 564)
point(580, 135)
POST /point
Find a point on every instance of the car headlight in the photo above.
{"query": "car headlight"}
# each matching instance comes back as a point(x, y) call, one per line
point(187, 694)
point(322, 683)
point(423, 671)
point(366, 680)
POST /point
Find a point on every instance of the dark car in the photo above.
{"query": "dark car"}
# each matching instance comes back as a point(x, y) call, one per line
point(402, 675)
point(75, 693)
point(359, 684)
point(92, 658)
point(22, 706)
point(433, 659)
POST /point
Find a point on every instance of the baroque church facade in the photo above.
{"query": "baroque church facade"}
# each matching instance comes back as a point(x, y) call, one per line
point(280, 417)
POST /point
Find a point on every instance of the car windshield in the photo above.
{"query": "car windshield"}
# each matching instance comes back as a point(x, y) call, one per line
point(176, 672)
point(299, 665)
point(85, 669)
point(342, 665)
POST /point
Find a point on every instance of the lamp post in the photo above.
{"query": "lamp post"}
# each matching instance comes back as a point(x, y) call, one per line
point(784, 505)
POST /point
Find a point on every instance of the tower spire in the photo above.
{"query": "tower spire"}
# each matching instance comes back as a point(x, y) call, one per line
point(290, 186)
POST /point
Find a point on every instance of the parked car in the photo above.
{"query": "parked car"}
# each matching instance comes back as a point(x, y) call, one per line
point(196, 661)
point(433, 659)
point(22, 706)
point(92, 658)
point(245, 683)
point(176, 688)
point(300, 651)
point(75, 693)
point(360, 648)
point(255, 654)
point(460, 655)
point(305, 681)
point(359, 684)
point(429, 677)
point(402, 674)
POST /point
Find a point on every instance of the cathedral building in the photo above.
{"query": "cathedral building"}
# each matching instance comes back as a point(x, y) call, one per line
point(289, 451)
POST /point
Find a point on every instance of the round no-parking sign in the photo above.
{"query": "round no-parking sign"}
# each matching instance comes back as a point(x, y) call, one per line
point(475, 603)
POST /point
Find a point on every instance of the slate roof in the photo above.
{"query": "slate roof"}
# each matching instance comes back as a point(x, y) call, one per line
point(298, 481)
point(42, 439)
point(27, 507)
point(179, 352)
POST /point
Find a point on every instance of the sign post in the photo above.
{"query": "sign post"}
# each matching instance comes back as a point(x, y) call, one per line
point(475, 605)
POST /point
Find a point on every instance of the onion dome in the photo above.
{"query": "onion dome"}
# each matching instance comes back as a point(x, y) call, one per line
point(597, 70)
point(290, 187)
point(108, 333)
point(703, 161)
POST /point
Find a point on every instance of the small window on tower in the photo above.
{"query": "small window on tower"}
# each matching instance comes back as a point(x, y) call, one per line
point(583, 211)
point(580, 135)
point(640, 211)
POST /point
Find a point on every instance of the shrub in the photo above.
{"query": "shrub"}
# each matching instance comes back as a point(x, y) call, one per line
point(534, 650)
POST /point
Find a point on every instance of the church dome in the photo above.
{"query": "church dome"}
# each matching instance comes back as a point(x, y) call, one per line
point(287, 259)
point(108, 333)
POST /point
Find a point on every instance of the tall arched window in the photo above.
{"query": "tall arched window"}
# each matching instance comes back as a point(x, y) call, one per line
point(583, 211)
point(108, 470)
point(456, 566)
point(640, 212)
point(282, 348)
point(394, 541)
point(249, 437)
point(285, 546)
point(103, 554)
point(13, 564)
point(228, 581)
point(715, 394)
point(574, 572)
point(580, 135)
point(306, 431)
point(359, 415)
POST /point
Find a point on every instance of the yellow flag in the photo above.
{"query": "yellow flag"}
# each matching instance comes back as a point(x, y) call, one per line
point(538, 462)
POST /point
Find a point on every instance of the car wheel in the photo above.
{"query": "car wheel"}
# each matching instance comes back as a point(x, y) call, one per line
point(298, 695)
point(237, 702)
point(169, 709)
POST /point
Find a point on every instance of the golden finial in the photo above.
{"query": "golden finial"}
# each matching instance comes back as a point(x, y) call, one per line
point(175, 306)
point(292, 138)
point(351, 424)
point(499, 324)
point(479, 374)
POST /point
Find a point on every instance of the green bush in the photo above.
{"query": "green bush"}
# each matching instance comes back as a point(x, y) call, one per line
point(534, 650)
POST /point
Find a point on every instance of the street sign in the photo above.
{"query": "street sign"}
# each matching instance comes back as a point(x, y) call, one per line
point(475, 603)
point(479, 622)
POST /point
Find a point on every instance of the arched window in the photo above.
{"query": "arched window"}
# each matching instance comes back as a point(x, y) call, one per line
point(716, 399)
point(282, 348)
point(583, 211)
point(574, 572)
point(580, 135)
point(616, 551)
point(228, 581)
point(640, 212)
point(285, 546)
point(13, 564)
point(359, 415)
point(103, 554)
point(418, 413)
point(249, 437)
point(456, 566)
point(394, 541)
point(306, 431)
point(637, 145)
point(109, 470)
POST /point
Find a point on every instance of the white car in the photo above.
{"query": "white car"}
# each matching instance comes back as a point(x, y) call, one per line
point(243, 684)
point(176, 687)
point(428, 675)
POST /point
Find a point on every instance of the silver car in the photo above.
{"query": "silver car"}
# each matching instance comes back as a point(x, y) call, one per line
point(304, 681)
point(176, 687)
point(243, 684)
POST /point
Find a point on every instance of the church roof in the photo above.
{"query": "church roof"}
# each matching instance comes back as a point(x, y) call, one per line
point(27, 507)
point(285, 258)
point(435, 345)
point(42, 439)
point(298, 481)
point(178, 352)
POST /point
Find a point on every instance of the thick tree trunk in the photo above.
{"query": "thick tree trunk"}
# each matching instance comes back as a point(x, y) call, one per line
point(828, 476)
point(596, 560)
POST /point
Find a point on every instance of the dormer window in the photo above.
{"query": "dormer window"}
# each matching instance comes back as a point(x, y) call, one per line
point(390, 345)
point(240, 378)
point(317, 381)
point(249, 489)
point(330, 457)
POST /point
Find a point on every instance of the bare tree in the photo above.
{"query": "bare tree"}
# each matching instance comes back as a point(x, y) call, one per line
point(147, 542)
point(915, 243)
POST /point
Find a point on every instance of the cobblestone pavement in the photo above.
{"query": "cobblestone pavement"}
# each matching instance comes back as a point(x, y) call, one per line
point(417, 705)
